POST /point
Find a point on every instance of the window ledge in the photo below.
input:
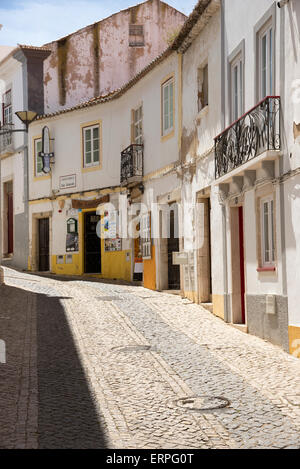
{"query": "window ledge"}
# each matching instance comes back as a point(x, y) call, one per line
point(266, 269)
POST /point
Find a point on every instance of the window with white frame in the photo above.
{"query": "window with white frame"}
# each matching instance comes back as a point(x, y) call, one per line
point(7, 115)
point(268, 231)
point(146, 236)
point(91, 145)
point(202, 87)
point(137, 115)
point(237, 88)
point(266, 61)
point(168, 106)
point(37, 159)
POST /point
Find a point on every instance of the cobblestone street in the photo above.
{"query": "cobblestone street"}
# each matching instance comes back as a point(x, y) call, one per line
point(92, 364)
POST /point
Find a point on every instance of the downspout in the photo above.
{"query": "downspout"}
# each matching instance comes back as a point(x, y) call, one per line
point(223, 124)
point(281, 168)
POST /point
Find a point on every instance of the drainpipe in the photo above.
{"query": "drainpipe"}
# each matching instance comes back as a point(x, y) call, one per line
point(223, 123)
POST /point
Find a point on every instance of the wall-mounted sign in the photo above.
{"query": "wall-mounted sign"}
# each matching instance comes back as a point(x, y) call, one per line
point(45, 154)
point(67, 182)
point(113, 245)
point(72, 244)
point(72, 225)
point(180, 258)
point(82, 204)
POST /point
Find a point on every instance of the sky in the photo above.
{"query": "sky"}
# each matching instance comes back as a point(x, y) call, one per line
point(36, 22)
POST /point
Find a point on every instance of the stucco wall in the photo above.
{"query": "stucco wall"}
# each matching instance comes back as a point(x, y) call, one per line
point(97, 59)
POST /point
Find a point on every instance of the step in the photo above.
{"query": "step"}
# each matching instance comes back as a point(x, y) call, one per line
point(208, 306)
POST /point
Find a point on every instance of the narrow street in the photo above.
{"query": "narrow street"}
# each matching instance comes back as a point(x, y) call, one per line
point(92, 364)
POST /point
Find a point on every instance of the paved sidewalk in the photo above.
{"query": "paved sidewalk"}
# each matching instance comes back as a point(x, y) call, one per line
point(85, 390)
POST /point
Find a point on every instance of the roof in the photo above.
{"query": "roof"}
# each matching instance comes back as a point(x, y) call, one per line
point(204, 8)
point(21, 47)
point(111, 16)
point(114, 94)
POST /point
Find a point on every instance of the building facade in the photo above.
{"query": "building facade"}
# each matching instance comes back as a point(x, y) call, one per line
point(104, 56)
point(21, 75)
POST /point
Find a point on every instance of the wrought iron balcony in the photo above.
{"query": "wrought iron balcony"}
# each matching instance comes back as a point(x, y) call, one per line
point(132, 164)
point(255, 132)
point(5, 137)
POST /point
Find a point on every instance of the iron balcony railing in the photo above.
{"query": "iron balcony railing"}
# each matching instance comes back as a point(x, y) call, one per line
point(5, 136)
point(255, 132)
point(132, 164)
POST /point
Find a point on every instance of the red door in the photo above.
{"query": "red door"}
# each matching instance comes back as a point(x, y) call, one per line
point(10, 222)
point(242, 263)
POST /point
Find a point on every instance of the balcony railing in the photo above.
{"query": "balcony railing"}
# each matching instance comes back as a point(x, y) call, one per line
point(5, 137)
point(132, 164)
point(255, 132)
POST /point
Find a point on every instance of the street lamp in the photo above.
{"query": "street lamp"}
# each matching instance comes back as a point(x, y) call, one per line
point(26, 117)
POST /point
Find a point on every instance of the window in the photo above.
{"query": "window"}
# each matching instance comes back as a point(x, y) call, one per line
point(136, 35)
point(237, 88)
point(146, 236)
point(137, 125)
point(266, 61)
point(38, 160)
point(167, 106)
point(91, 145)
point(202, 87)
point(267, 230)
point(7, 115)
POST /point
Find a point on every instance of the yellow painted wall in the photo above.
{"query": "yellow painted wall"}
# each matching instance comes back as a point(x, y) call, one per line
point(150, 272)
point(67, 269)
point(218, 306)
point(114, 265)
point(191, 295)
point(294, 338)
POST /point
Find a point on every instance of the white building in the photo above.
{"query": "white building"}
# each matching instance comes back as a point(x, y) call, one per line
point(21, 73)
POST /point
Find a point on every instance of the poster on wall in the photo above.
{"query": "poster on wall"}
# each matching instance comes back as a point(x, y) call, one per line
point(112, 245)
point(112, 242)
point(72, 244)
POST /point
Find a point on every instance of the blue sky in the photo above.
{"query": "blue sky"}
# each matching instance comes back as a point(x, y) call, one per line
point(37, 22)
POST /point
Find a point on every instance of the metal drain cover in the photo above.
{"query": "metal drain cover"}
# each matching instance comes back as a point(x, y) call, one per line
point(132, 348)
point(107, 298)
point(202, 403)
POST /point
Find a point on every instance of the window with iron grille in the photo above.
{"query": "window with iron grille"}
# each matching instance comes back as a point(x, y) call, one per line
point(136, 35)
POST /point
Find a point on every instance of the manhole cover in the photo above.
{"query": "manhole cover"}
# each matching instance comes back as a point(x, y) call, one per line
point(132, 348)
point(202, 403)
point(107, 298)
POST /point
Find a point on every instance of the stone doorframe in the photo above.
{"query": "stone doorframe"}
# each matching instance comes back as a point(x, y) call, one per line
point(35, 239)
point(162, 243)
point(203, 234)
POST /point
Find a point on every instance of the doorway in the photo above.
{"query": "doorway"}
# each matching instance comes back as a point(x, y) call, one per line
point(238, 266)
point(204, 252)
point(173, 246)
point(8, 219)
point(44, 264)
point(92, 244)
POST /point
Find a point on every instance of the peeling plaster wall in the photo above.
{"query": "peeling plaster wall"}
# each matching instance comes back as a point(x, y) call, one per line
point(198, 132)
point(98, 59)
